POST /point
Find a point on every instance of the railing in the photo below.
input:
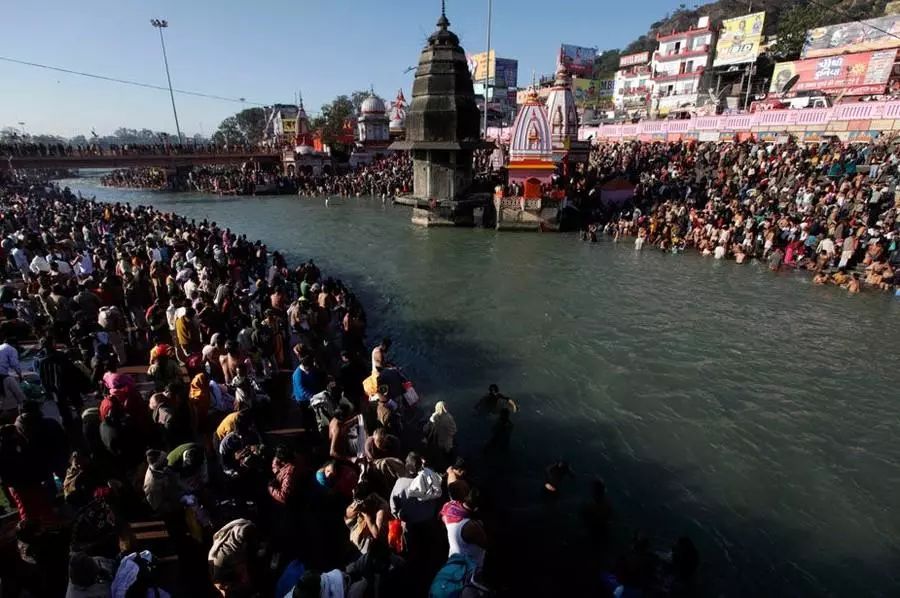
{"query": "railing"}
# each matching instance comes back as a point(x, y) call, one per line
point(682, 53)
point(680, 75)
point(770, 120)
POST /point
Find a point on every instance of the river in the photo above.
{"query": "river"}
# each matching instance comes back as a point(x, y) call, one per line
point(754, 412)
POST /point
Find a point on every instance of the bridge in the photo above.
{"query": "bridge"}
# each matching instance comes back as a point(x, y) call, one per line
point(126, 159)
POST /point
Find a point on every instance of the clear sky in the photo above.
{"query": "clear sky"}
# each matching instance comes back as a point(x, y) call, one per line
point(264, 51)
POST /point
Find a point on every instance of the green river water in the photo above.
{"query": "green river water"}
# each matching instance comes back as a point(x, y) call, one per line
point(754, 412)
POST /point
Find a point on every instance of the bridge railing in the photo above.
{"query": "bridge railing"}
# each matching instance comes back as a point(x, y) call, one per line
point(40, 150)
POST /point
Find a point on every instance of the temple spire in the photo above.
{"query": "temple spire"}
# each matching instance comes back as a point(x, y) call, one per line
point(443, 23)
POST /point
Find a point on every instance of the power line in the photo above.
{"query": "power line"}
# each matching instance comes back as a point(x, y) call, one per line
point(847, 15)
point(128, 82)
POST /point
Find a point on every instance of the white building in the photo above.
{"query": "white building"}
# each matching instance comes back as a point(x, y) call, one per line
point(633, 84)
point(678, 67)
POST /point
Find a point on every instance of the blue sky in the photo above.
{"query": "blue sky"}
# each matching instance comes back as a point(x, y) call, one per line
point(263, 51)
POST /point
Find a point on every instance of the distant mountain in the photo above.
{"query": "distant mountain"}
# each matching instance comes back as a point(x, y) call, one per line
point(786, 18)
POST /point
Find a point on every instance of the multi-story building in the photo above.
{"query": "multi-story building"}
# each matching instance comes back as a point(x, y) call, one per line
point(633, 84)
point(679, 65)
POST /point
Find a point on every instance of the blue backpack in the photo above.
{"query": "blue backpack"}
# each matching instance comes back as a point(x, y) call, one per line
point(453, 577)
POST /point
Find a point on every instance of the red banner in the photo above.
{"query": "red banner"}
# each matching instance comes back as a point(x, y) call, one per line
point(866, 73)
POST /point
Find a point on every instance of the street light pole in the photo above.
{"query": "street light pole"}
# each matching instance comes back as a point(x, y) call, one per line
point(487, 64)
point(162, 24)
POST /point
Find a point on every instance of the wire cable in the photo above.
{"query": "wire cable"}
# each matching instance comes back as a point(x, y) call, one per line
point(128, 82)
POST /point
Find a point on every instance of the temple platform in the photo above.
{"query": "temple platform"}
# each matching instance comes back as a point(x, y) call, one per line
point(460, 212)
point(520, 214)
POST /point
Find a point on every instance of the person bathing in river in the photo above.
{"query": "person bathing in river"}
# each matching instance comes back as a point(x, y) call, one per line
point(494, 402)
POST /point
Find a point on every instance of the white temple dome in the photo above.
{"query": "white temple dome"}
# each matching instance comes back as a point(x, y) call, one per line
point(372, 105)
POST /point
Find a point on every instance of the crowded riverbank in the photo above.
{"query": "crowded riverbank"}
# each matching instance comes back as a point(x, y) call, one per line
point(604, 376)
point(830, 210)
point(164, 351)
point(385, 177)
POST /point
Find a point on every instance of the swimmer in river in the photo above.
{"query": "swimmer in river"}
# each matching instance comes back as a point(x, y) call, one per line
point(554, 475)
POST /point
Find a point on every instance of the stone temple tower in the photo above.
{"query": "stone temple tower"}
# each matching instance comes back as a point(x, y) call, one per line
point(442, 125)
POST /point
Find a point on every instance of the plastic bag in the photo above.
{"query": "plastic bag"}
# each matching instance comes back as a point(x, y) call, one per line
point(370, 385)
point(409, 394)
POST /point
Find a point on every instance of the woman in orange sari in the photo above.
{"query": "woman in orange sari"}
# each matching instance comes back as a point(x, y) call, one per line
point(198, 401)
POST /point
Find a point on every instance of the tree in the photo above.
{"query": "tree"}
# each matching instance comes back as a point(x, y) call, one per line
point(252, 123)
point(247, 126)
point(229, 132)
point(334, 115)
point(606, 64)
point(792, 29)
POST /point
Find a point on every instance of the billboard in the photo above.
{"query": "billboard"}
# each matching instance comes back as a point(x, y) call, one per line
point(578, 60)
point(481, 63)
point(591, 92)
point(634, 59)
point(856, 36)
point(506, 72)
point(501, 72)
point(739, 39)
point(859, 74)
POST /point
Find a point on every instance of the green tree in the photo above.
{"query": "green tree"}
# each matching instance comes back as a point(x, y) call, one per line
point(229, 132)
point(247, 126)
point(792, 29)
point(252, 123)
point(331, 121)
point(606, 64)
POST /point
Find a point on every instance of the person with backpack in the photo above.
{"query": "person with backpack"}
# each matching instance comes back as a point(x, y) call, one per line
point(465, 535)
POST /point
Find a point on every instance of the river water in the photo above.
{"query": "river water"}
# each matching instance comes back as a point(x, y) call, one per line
point(754, 412)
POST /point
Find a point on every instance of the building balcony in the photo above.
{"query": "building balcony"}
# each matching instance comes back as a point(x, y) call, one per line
point(698, 71)
point(634, 71)
point(682, 53)
point(676, 35)
point(678, 93)
point(634, 91)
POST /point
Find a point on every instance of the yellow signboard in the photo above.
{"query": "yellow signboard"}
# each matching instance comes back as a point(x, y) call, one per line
point(481, 61)
point(289, 126)
point(739, 39)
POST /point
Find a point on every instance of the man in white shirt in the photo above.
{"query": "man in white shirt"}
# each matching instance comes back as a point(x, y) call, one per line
point(10, 373)
point(39, 264)
point(21, 259)
point(826, 245)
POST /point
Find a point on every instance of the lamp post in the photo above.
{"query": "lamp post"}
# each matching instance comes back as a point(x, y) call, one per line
point(162, 24)
point(487, 65)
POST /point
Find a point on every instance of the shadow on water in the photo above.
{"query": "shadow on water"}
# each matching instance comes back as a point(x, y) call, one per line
point(543, 548)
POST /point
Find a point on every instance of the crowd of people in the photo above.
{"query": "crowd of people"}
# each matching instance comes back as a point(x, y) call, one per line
point(223, 180)
point(385, 177)
point(830, 208)
point(27, 149)
point(388, 176)
point(183, 413)
point(345, 490)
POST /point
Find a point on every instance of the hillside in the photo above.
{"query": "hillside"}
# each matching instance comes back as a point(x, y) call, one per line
point(785, 18)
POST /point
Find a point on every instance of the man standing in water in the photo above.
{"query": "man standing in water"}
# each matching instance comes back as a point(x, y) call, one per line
point(494, 402)
point(379, 355)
